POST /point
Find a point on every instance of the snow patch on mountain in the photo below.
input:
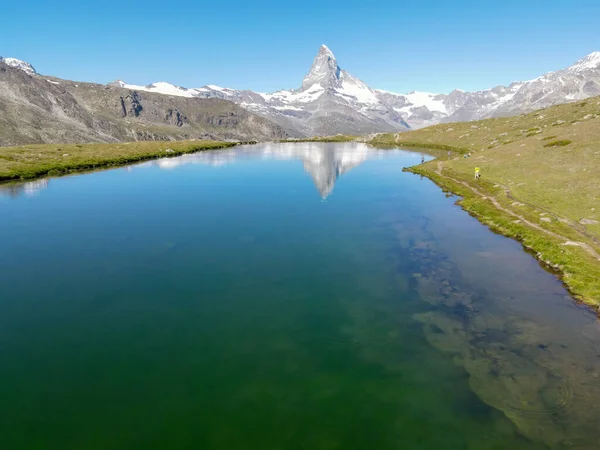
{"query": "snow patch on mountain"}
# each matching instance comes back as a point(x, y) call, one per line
point(353, 87)
point(590, 62)
point(160, 87)
point(427, 99)
point(17, 63)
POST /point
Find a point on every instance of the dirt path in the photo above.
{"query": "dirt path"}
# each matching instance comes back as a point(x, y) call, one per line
point(577, 227)
point(495, 202)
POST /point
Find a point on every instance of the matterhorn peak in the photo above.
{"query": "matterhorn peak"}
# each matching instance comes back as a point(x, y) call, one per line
point(18, 64)
point(325, 50)
point(324, 72)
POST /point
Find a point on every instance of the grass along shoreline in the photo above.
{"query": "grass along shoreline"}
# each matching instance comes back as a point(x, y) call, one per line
point(545, 196)
point(335, 138)
point(28, 162)
point(383, 142)
point(570, 259)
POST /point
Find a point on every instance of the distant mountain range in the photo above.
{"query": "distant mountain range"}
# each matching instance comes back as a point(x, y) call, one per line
point(36, 108)
point(330, 100)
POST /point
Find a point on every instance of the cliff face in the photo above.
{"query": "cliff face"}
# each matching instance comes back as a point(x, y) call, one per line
point(38, 109)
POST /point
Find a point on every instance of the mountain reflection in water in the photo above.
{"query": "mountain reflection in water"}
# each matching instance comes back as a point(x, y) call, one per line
point(29, 189)
point(325, 163)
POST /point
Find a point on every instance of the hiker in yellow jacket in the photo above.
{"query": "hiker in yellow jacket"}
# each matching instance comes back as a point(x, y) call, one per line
point(477, 174)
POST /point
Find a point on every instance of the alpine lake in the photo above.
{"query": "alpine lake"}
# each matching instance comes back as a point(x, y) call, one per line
point(236, 299)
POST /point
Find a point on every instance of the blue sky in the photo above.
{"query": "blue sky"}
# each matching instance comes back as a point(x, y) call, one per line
point(426, 45)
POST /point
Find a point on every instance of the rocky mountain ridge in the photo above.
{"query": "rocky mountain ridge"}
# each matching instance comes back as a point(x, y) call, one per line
point(577, 82)
point(42, 109)
point(331, 100)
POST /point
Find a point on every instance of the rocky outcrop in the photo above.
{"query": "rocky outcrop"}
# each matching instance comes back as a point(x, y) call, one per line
point(174, 117)
point(130, 105)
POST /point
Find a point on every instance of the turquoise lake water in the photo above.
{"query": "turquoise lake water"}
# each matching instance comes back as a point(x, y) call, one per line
point(280, 296)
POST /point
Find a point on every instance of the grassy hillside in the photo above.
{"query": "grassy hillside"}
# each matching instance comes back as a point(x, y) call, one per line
point(32, 161)
point(540, 182)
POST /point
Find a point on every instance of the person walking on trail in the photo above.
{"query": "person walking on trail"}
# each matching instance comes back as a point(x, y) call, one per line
point(477, 174)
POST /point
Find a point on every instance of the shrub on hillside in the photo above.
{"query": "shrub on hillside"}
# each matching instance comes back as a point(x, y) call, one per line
point(560, 143)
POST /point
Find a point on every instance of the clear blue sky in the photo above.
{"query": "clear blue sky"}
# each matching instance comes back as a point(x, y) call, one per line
point(428, 45)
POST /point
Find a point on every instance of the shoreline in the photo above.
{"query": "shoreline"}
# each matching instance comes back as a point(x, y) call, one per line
point(50, 166)
point(547, 250)
point(383, 143)
point(539, 182)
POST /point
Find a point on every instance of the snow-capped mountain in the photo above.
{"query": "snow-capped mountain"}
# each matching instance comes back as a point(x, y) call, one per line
point(580, 81)
point(330, 100)
point(14, 62)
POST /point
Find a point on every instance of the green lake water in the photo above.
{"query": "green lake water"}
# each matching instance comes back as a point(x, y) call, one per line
point(237, 299)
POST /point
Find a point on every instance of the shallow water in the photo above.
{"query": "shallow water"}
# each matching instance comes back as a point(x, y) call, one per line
point(237, 299)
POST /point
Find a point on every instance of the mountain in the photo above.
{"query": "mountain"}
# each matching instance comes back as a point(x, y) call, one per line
point(18, 64)
point(42, 109)
point(330, 100)
point(577, 82)
point(36, 108)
